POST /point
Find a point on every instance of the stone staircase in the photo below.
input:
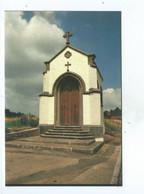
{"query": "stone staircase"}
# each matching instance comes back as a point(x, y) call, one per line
point(62, 139)
point(68, 133)
point(76, 139)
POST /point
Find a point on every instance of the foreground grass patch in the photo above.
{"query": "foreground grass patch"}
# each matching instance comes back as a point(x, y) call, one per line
point(113, 131)
point(20, 123)
point(15, 123)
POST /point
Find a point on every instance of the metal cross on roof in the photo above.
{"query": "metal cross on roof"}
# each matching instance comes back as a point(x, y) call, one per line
point(68, 66)
point(67, 35)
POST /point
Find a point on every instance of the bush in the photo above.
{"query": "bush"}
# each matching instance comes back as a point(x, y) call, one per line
point(33, 123)
point(24, 121)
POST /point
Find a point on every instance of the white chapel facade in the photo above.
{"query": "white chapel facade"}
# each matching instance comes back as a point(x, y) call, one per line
point(72, 91)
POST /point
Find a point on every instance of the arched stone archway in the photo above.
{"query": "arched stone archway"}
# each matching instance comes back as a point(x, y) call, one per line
point(68, 92)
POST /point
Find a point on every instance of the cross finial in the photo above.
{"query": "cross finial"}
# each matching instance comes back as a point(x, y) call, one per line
point(67, 35)
point(68, 66)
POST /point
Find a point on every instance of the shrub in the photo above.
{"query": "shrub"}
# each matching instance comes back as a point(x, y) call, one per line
point(33, 123)
point(24, 121)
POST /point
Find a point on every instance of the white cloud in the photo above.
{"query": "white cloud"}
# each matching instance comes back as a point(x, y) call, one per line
point(112, 98)
point(48, 15)
point(27, 46)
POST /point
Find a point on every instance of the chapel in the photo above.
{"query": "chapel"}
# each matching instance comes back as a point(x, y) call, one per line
point(72, 94)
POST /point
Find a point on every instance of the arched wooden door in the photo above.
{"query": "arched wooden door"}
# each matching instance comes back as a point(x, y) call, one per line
point(69, 101)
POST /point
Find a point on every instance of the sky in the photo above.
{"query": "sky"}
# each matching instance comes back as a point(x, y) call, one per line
point(34, 37)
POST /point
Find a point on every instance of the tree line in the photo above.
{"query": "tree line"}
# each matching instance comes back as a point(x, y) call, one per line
point(10, 114)
point(113, 113)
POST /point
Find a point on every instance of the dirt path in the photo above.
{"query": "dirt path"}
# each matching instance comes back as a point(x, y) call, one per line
point(46, 167)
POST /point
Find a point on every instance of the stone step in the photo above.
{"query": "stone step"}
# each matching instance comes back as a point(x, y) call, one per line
point(68, 134)
point(58, 141)
point(66, 131)
point(68, 128)
point(67, 137)
point(91, 149)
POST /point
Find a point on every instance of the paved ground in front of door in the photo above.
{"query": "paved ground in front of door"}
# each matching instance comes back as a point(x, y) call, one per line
point(26, 166)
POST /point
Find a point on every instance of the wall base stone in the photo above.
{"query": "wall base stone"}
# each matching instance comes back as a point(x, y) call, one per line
point(44, 128)
point(96, 130)
point(24, 133)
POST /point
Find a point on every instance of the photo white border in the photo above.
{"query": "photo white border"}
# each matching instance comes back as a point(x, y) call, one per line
point(132, 90)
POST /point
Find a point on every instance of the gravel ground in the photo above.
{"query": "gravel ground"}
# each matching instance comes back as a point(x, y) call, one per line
point(41, 167)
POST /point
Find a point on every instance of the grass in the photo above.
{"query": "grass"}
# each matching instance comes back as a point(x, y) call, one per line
point(113, 131)
point(15, 124)
point(7, 119)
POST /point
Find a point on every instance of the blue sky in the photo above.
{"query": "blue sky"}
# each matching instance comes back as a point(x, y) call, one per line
point(99, 33)
point(34, 37)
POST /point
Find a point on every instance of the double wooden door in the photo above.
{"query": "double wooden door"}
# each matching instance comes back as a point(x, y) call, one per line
point(69, 102)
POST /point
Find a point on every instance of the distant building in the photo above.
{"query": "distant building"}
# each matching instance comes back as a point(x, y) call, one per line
point(113, 114)
point(116, 117)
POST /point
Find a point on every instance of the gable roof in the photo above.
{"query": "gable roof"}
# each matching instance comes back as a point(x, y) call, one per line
point(73, 48)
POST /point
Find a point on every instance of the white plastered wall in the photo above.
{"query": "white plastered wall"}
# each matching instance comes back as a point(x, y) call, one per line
point(79, 65)
point(92, 77)
point(46, 82)
point(86, 110)
point(46, 114)
point(95, 109)
point(101, 85)
point(99, 79)
point(91, 109)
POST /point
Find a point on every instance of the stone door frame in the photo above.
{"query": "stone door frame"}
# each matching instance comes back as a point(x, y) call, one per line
point(56, 93)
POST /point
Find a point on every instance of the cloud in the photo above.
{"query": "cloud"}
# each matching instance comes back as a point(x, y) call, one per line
point(27, 46)
point(48, 15)
point(112, 98)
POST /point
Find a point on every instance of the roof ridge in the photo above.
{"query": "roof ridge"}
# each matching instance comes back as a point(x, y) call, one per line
point(88, 54)
point(69, 46)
